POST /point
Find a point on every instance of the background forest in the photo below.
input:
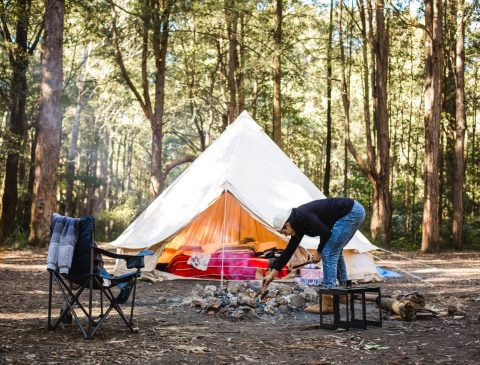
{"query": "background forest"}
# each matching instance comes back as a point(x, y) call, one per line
point(376, 100)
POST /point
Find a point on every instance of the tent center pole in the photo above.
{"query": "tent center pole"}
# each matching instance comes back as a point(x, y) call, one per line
point(224, 235)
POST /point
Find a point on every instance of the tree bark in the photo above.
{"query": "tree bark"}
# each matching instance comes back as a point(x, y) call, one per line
point(91, 171)
point(48, 140)
point(101, 186)
point(459, 165)
point(377, 166)
point(156, 20)
point(328, 147)
point(241, 73)
point(72, 154)
point(382, 211)
point(473, 155)
point(232, 25)
point(19, 60)
point(433, 83)
point(27, 213)
point(277, 74)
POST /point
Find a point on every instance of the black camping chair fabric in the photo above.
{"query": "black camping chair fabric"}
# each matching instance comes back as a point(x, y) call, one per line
point(87, 274)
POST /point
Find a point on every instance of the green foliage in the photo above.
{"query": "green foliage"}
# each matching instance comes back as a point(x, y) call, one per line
point(110, 224)
point(18, 240)
point(113, 151)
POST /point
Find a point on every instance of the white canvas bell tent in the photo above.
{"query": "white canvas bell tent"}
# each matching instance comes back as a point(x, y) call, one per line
point(232, 191)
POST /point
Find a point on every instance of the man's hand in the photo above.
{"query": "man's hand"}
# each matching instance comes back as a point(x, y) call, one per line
point(269, 278)
point(316, 257)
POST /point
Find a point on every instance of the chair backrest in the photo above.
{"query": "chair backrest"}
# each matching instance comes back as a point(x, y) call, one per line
point(80, 268)
point(81, 255)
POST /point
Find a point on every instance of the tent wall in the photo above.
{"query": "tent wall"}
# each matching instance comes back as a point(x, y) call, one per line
point(360, 266)
point(224, 224)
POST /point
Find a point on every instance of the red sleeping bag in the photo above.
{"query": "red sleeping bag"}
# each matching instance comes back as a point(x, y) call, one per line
point(240, 265)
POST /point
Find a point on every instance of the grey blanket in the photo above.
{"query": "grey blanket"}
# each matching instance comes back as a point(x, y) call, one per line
point(62, 243)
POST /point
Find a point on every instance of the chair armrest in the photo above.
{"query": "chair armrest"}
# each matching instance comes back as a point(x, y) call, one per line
point(132, 261)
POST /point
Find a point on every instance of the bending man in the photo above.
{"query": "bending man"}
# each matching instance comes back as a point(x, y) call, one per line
point(335, 220)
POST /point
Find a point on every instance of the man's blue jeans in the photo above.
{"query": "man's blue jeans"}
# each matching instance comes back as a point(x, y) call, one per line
point(332, 257)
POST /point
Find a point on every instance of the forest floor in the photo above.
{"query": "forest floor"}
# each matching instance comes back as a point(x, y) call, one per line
point(174, 334)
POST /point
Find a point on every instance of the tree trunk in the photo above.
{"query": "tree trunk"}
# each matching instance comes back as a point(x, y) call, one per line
point(381, 219)
point(91, 173)
point(459, 172)
point(27, 213)
point(72, 154)
point(277, 74)
point(48, 140)
point(101, 174)
point(377, 166)
point(473, 154)
point(241, 73)
point(18, 93)
point(156, 18)
point(448, 122)
point(232, 25)
point(328, 147)
point(433, 82)
point(160, 45)
point(254, 96)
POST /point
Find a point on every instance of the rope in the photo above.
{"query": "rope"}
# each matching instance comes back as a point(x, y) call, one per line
point(404, 271)
point(421, 263)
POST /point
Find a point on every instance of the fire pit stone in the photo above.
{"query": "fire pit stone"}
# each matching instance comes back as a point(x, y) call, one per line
point(295, 301)
point(246, 299)
point(236, 286)
point(210, 289)
point(283, 289)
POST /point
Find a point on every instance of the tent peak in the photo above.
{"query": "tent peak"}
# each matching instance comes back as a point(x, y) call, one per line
point(243, 115)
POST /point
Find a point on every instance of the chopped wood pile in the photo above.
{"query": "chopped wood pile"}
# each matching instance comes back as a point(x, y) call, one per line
point(245, 300)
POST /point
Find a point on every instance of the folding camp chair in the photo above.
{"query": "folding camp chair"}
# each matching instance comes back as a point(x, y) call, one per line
point(87, 274)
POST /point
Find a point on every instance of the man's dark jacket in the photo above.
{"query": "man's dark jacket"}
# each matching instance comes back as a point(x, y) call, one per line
point(316, 218)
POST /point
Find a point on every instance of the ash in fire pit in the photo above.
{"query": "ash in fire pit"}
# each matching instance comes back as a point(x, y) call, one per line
point(243, 299)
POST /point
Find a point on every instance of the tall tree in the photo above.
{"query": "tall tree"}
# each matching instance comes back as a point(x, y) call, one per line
point(377, 167)
point(382, 206)
point(459, 170)
point(277, 74)
point(433, 103)
point(19, 50)
point(49, 125)
point(155, 29)
point(231, 16)
point(328, 147)
point(72, 153)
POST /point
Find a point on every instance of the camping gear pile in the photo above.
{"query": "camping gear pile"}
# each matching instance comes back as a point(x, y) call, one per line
point(247, 300)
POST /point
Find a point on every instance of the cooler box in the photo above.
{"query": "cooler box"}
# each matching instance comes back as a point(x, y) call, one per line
point(311, 276)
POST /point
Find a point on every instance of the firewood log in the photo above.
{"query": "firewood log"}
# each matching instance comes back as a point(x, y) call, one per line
point(327, 305)
point(415, 299)
point(405, 310)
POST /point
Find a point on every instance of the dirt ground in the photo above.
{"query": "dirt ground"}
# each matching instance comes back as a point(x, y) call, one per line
point(174, 334)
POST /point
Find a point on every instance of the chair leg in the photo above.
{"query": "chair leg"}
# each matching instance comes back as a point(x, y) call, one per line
point(90, 308)
point(113, 305)
point(50, 288)
point(133, 300)
point(70, 300)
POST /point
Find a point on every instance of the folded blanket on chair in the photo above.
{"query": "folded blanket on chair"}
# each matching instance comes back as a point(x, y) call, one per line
point(62, 243)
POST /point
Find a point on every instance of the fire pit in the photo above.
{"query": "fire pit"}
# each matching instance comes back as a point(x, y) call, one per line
point(243, 299)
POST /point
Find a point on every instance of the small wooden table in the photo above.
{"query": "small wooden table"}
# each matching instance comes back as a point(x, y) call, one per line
point(349, 320)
